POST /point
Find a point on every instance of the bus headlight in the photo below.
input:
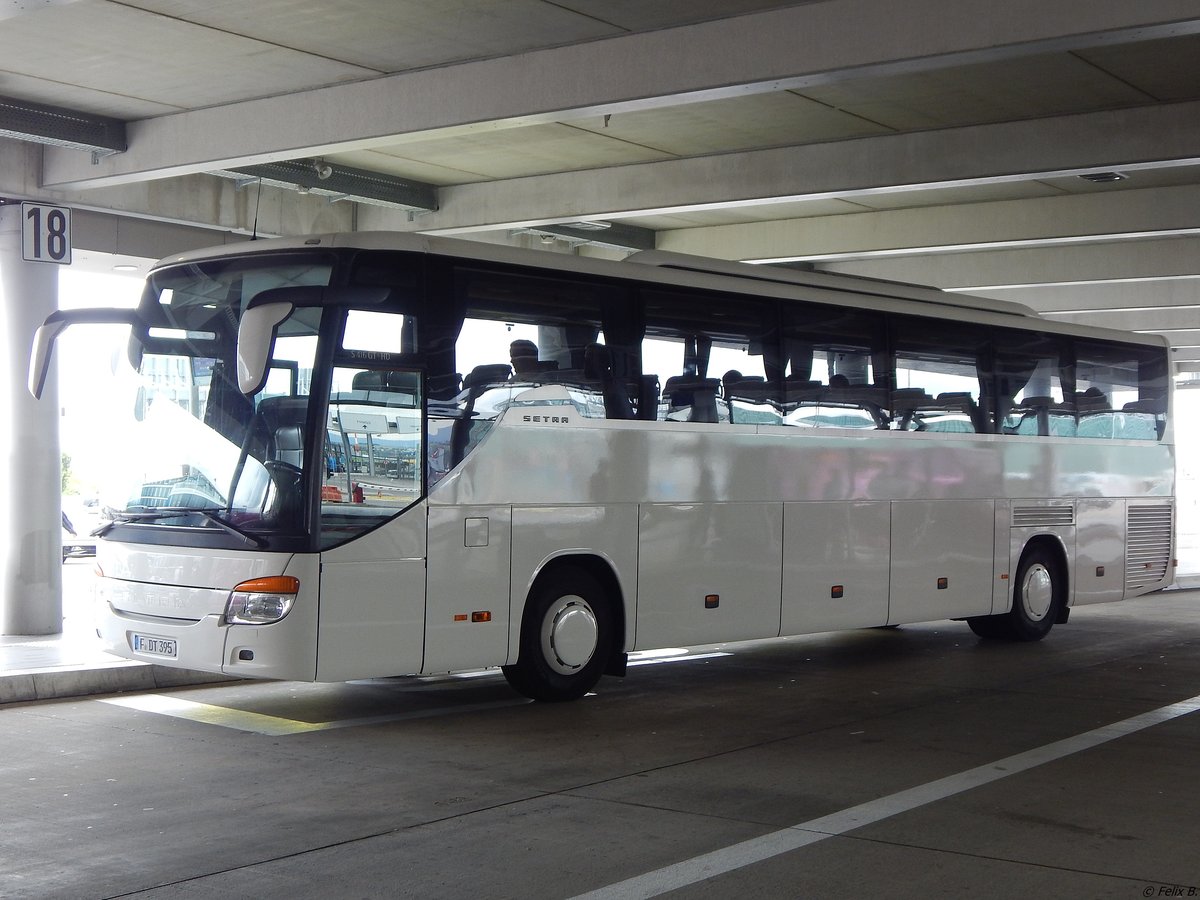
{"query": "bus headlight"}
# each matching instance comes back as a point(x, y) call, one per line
point(261, 601)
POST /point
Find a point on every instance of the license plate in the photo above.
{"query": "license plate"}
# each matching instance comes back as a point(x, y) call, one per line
point(155, 646)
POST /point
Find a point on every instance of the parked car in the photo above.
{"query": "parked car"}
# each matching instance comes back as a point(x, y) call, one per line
point(79, 519)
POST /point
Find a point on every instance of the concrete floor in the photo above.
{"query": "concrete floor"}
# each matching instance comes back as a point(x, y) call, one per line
point(456, 788)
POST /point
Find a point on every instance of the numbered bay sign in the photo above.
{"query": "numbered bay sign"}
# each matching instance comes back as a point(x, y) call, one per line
point(46, 233)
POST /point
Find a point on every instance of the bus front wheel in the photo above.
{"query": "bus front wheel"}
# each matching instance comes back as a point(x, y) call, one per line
point(566, 637)
point(1038, 596)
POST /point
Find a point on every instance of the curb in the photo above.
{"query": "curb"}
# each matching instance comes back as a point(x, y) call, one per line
point(106, 678)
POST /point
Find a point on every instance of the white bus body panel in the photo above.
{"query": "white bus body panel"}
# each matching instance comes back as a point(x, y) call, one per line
point(286, 649)
point(764, 520)
point(372, 616)
point(835, 565)
point(943, 553)
point(1099, 550)
point(730, 553)
point(179, 594)
point(884, 515)
point(593, 462)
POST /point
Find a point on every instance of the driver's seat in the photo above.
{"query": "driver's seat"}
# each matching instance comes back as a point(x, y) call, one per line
point(282, 420)
point(287, 445)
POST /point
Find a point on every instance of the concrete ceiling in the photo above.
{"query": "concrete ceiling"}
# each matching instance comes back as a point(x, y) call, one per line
point(938, 141)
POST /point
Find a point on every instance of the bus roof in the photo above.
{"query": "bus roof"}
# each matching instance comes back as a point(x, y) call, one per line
point(828, 281)
point(667, 267)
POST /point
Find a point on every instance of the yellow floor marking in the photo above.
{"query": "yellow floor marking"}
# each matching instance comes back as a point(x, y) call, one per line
point(238, 719)
point(258, 723)
point(275, 726)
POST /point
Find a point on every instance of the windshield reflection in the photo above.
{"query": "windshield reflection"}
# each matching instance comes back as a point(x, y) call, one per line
point(196, 447)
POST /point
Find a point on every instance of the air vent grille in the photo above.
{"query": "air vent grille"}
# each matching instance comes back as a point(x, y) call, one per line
point(1043, 516)
point(1148, 539)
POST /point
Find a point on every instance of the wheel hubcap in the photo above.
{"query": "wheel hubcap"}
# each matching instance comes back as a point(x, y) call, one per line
point(569, 634)
point(1037, 592)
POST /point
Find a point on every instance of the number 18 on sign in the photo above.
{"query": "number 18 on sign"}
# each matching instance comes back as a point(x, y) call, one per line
point(45, 233)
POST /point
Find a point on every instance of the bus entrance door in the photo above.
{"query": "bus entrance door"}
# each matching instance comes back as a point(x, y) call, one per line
point(371, 607)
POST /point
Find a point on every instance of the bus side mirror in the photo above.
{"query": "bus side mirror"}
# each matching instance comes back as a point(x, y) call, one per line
point(48, 332)
point(39, 356)
point(256, 335)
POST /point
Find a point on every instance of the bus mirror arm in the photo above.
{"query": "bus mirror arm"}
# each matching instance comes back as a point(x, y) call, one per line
point(39, 357)
point(57, 322)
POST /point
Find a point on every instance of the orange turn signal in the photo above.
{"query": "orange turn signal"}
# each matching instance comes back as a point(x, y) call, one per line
point(272, 584)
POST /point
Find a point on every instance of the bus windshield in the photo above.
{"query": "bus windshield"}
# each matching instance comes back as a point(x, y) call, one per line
point(199, 452)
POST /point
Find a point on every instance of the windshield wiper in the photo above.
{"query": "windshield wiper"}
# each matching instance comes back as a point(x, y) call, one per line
point(172, 512)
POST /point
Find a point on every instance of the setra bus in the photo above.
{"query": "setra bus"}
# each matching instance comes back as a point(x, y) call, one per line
point(387, 454)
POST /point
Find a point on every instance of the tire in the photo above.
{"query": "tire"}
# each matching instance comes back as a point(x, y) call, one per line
point(567, 636)
point(1039, 592)
point(990, 628)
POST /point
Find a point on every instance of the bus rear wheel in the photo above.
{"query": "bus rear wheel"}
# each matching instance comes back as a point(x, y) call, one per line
point(1038, 597)
point(566, 637)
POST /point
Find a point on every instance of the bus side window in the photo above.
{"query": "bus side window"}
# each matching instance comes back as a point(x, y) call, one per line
point(597, 365)
point(1120, 393)
point(939, 368)
point(1025, 392)
point(691, 399)
point(833, 366)
point(699, 342)
point(379, 332)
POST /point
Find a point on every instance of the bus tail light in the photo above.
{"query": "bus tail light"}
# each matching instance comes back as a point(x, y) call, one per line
point(261, 601)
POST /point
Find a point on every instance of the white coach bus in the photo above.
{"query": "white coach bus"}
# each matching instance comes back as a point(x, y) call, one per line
point(396, 455)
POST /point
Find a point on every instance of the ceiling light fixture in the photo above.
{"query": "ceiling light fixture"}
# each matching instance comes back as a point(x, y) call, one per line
point(1103, 177)
point(608, 234)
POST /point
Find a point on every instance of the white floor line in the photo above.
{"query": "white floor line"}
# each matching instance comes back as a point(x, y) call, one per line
point(660, 661)
point(736, 856)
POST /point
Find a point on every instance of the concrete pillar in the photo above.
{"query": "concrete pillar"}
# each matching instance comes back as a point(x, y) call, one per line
point(31, 489)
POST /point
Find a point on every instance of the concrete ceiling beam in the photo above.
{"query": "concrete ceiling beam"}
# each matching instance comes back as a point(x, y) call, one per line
point(1108, 297)
point(195, 211)
point(1183, 337)
point(791, 47)
point(1128, 140)
point(1157, 321)
point(982, 269)
point(1063, 220)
